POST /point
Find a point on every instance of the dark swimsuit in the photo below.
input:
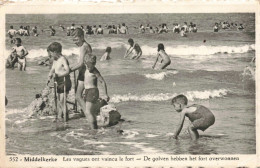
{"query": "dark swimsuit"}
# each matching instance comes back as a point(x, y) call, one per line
point(60, 82)
point(202, 118)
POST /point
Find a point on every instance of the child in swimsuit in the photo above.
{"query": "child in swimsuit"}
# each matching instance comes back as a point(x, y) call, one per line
point(92, 75)
point(106, 56)
point(21, 52)
point(133, 47)
point(201, 117)
point(59, 70)
point(165, 58)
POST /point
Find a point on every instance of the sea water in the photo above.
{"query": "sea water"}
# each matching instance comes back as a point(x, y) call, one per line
point(208, 69)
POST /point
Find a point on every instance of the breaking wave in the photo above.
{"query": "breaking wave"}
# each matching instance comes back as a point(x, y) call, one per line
point(191, 95)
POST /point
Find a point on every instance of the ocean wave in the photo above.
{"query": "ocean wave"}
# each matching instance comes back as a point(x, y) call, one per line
point(191, 95)
point(185, 50)
point(160, 75)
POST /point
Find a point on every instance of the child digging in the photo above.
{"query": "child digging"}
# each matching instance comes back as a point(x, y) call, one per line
point(201, 117)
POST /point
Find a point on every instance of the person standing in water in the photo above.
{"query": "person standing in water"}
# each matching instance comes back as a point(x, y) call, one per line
point(85, 50)
point(133, 47)
point(60, 70)
point(106, 55)
point(92, 76)
point(165, 59)
point(21, 52)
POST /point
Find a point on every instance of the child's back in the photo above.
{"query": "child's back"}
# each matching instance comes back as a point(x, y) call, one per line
point(201, 118)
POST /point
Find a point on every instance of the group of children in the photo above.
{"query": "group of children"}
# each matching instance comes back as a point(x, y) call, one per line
point(87, 92)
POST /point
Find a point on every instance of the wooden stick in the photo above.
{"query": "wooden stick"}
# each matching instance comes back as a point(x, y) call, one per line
point(75, 90)
point(55, 98)
point(65, 116)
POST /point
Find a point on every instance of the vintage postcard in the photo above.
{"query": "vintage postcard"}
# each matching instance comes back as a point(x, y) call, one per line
point(129, 84)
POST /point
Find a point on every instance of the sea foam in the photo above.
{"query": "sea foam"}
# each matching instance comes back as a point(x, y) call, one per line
point(191, 95)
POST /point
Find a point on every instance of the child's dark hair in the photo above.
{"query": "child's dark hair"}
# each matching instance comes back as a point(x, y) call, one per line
point(160, 47)
point(55, 47)
point(11, 27)
point(180, 99)
point(108, 49)
point(130, 41)
point(18, 40)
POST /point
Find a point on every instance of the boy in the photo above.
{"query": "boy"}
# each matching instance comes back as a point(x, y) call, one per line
point(85, 49)
point(21, 52)
point(201, 117)
point(59, 70)
point(135, 47)
point(91, 89)
point(11, 32)
point(12, 59)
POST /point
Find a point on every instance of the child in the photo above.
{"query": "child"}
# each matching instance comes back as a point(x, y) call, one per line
point(201, 117)
point(106, 56)
point(135, 47)
point(91, 89)
point(21, 52)
point(183, 33)
point(59, 70)
point(12, 59)
point(84, 51)
point(165, 58)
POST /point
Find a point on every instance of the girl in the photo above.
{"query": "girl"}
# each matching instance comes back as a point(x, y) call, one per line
point(106, 56)
point(165, 58)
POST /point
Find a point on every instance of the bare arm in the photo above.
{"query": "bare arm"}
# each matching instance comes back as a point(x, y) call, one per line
point(179, 128)
point(156, 60)
point(103, 82)
point(129, 51)
point(83, 52)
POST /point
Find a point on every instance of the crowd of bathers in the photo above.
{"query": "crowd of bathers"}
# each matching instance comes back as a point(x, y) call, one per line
point(122, 29)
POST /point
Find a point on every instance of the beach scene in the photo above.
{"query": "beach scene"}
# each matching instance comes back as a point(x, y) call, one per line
point(209, 67)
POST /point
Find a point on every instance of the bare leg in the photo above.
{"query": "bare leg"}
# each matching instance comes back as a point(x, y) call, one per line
point(60, 110)
point(62, 107)
point(79, 97)
point(19, 66)
point(90, 115)
point(24, 65)
point(193, 133)
point(164, 65)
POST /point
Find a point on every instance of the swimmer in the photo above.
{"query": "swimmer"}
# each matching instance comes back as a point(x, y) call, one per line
point(84, 51)
point(59, 70)
point(12, 59)
point(215, 28)
point(99, 30)
point(92, 76)
point(201, 117)
point(106, 56)
point(123, 29)
point(183, 33)
point(21, 52)
point(165, 59)
point(11, 32)
point(133, 47)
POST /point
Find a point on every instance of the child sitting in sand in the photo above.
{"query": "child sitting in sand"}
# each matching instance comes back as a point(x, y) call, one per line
point(91, 93)
point(106, 56)
point(165, 59)
point(59, 70)
point(133, 47)
point(201, 117)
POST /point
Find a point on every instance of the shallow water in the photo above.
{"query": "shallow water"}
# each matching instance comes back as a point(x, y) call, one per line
point(209, 73)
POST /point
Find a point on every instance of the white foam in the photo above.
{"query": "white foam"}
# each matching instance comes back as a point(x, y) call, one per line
point(191, 95)
point(160, 75)
point(151, 135)
point(186, 50)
